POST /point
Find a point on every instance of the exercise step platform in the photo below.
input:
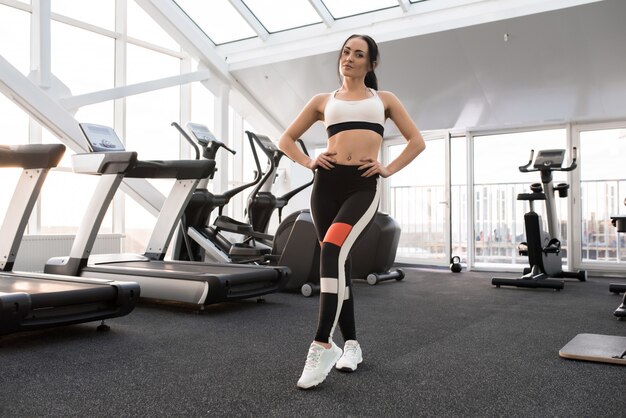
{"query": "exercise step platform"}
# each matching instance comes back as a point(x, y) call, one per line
point(596, 347)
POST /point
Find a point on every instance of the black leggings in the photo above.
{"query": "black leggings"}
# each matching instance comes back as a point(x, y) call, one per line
point(343, 204)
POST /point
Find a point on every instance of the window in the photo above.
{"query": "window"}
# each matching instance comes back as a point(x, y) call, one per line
point(82, 60)
point(148, 131)
point(345, 8)
point(141, 26)
point(603, 193)
point(417, 197)
point(99, 13)
point(15, 37)
point(498, 215)
point(218, 19)
point(272, 13)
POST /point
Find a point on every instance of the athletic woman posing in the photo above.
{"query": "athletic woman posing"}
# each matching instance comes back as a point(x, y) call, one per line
point(346, 191)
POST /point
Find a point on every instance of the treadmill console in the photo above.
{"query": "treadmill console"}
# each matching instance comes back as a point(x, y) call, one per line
point(201, 132)
point(549, 158)
point(101, 138)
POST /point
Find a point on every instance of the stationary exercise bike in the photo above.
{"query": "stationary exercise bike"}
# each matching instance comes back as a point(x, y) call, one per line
point(543, 248)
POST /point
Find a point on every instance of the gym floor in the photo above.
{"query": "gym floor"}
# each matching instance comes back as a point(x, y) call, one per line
point(435, 344)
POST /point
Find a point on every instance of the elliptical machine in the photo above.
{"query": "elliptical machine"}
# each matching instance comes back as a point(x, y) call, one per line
point(262, 202)
point(197, 239)
point(201, 240)
point(543, 248)
point(374, 254)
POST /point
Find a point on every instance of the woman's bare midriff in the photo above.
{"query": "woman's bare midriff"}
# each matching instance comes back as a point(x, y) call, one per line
point(354, 145)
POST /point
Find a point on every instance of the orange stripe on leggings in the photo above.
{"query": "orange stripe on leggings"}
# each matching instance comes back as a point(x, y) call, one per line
point(337, 233)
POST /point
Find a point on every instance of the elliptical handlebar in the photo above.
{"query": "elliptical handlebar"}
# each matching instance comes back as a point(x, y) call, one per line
point(287, 196)
point(274, 155)
point(211, 146)
point(209, 143)
point(221, 144)
point(301, 142)
point(191, 142)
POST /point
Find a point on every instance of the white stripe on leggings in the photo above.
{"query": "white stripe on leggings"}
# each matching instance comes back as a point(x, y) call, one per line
point(329, 285)
point(345, 250)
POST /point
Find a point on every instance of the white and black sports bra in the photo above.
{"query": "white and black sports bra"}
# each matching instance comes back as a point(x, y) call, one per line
point(342, 115)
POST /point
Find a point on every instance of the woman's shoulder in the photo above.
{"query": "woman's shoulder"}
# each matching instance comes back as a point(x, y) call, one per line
point(388, 98)
point(319, 100)
point(322, 97)
point(384, 94)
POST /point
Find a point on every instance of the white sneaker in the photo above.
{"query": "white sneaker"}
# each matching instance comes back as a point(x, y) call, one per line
point(352, 356)
point(319, 361)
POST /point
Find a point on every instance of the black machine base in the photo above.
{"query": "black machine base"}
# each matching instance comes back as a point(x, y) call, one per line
point(540, 280)
point(535, 282)
point(617, 287)
point(620, 312)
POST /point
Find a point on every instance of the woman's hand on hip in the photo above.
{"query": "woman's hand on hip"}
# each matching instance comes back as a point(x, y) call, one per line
point(324, 160)
point(372, 166)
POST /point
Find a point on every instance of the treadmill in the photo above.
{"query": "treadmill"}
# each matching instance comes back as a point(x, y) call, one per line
point(30, 301)
point(180, 281)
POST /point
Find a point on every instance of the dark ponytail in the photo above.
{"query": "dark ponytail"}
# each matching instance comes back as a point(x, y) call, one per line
point(371, 80)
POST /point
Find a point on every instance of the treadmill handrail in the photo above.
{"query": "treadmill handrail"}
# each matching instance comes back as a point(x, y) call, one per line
point(31, 155)
point(126, 162)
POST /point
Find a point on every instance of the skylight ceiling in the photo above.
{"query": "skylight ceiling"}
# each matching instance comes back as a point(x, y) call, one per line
point(237, 34)
point(226, 21)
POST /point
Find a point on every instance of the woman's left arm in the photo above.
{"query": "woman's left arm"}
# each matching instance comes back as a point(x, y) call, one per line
point(415, 143)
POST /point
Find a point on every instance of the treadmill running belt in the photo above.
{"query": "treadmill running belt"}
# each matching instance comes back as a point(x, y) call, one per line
point(186, 270)
point(48, 293)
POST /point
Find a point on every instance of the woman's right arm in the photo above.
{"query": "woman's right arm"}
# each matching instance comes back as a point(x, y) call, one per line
point(310, 114)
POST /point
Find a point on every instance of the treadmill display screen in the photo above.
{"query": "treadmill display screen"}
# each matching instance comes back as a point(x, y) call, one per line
point(101, 138)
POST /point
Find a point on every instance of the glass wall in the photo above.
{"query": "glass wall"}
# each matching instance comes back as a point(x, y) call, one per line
point(498, 215)
point(15, 48)
point(83, 61)
point(603, 193)
point(15, 38)
point(417, 201)
point(99, 13)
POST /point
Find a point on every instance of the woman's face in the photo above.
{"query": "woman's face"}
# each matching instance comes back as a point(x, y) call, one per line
point(354, 61)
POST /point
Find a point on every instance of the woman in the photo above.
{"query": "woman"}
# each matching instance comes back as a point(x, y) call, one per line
point(346, 191)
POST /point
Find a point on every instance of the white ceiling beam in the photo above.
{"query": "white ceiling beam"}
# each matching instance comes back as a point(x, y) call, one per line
point(323, 12)
point(41, 58)
point(75, 102)
point(384, 25)
point(250, 18)
point(32, 99)
point(404, 5)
